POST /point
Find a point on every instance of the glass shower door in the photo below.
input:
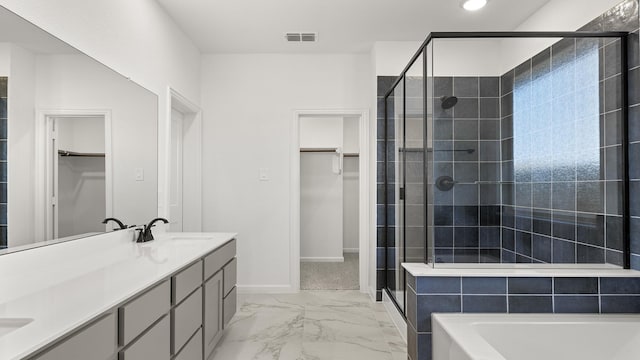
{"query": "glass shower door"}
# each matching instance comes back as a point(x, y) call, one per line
point(405, 174)
point(395, 194)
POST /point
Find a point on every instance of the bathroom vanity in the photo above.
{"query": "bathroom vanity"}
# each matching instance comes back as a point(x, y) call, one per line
point(106, 297)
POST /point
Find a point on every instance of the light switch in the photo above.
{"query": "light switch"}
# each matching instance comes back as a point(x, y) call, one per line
point(139, 174)
point(264, 174)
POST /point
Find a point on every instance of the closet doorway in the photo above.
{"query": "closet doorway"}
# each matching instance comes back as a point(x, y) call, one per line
point(78, 181)
point(329, 178)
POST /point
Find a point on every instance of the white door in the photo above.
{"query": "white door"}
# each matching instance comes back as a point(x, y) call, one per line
point(176, 202)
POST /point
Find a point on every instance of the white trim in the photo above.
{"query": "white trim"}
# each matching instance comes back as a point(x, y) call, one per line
point(192, 206)
point(265, 289)
point(351, 250)
point(397, 318)
point(41, 191)
point(294, 192)
point(322, 259)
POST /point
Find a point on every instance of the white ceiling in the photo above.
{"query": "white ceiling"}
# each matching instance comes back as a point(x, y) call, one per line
point(344, 26)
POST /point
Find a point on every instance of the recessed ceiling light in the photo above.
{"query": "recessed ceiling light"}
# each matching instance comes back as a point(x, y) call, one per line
point(473, 5)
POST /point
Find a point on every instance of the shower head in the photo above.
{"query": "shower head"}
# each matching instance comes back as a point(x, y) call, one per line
point(448, 102)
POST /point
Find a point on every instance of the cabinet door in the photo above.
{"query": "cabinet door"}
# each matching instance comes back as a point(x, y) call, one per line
point(95, 342)
point(154, 344)
point(213, 294)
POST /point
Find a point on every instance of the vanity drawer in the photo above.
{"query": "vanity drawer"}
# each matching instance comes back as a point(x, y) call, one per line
point(216, 260)
point(95, 342)
point(185, 282)
point(154, 344)
point(230, 275)
point(193, 349)
point(138, 314)
point(186, 319)
point(229, 307)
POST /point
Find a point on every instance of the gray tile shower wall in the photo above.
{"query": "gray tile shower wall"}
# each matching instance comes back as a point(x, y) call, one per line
point(3, 160)
point(562, 144)
point(427, 295)
point(466, 149)
point(383, 235)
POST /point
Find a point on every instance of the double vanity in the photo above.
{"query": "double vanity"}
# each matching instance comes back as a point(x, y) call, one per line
point(106, 297)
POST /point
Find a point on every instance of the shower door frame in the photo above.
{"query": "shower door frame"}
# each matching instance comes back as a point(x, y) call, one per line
point(624, 41)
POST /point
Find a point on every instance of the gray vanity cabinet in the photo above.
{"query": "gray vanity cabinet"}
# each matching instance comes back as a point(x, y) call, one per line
point(96, 341)
point(179, 318)
point(153, 344)
point(213, 298)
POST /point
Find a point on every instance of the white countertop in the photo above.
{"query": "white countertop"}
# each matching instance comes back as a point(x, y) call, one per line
point(520, 270)
point(63, 286)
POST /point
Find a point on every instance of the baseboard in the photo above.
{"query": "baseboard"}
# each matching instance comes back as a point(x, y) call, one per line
point(266, 289)
point(322, 259)
point(372, 294)
point(351, 250)
point(397, 318)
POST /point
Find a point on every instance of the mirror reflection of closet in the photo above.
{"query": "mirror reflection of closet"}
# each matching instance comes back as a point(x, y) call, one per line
point(78, 178)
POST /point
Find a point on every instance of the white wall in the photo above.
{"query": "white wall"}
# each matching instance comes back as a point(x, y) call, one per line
point(81, 134)
point(21, 143)
point(81, 195)
point(5, 60)
point(351, 185)
point(321, 132)
point(391, 57)
point(136, 38)
point(249, 102)
point(556, 15)
point(350, 205)
point(321, 208)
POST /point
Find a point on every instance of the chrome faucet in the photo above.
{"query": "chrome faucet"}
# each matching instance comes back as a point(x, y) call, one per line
point(145, 233)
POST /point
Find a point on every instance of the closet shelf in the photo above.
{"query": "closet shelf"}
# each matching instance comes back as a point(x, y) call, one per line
point(66, 153)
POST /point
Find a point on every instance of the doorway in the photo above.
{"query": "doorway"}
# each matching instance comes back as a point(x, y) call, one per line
point(78, 177)
point(183, 169)
point(330, 201)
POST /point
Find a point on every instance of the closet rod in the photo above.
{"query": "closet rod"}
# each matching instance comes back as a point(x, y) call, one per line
point(78, 154)
point(318, 150)
point(351, 155)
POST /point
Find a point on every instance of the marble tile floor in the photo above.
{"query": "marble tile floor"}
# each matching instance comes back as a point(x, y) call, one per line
point(310, 325)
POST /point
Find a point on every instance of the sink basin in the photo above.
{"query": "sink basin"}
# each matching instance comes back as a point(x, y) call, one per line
point(9, 325)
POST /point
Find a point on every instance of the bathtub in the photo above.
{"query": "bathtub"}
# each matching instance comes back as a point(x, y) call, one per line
point(535, 337)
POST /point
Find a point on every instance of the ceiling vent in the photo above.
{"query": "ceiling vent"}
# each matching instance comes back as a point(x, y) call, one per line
point(301, 37)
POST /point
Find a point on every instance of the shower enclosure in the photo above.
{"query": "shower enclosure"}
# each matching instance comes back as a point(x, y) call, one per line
point(508, 148)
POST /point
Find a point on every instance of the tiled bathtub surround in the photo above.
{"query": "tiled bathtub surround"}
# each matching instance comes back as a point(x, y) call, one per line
point(3, 160)
point(500, 294)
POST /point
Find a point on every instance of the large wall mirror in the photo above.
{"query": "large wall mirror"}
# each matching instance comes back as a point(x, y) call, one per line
point(78, 141)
